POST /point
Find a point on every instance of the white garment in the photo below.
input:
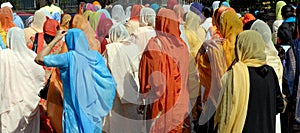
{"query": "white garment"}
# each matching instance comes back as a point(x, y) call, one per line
point(21, 81)
point(142, 36)
point(118, 14)
point(207, 23)
point(275, 28)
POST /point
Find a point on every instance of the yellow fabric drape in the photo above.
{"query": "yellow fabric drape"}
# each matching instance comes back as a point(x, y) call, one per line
point(230, 27)
point(87, 14)
point(279, 5)
point(232, 111)
point(195, 34)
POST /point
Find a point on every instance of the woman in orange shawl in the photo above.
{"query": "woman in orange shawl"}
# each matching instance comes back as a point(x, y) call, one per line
point(55, 93)
point(80, 22)
point(163, 76)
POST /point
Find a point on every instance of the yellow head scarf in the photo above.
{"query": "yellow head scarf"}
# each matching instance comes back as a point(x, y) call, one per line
point(232, 110)
point(195, 34)
point(279, 5)
point(87, 14)
point(230, 27)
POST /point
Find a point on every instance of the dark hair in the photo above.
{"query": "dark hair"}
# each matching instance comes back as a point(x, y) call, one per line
point(287, 11)
point(248, 25)
point(207, 11)
point(48, 38)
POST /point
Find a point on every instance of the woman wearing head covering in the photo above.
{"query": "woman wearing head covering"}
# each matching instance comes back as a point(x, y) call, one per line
point(123, 58)
point(95, 18)
point(19, 111)
point(196, 7)
point(90, 7)
point(65, 21)
point(102, 30)
point(133, 24)
point(248, 17)
point(87, 14)
point(278, 20)
point(146, 30)
point(106, 13)
point(214, 61)
point(155, 7)
point(36, 26)
point(163, 76)
point(178, 9)
point(252, 94)
point(272, 58)
point(128, 12)
point(82, 23)
point(89, 88)
point(194, 32)
point(118, 14)
point(171, 4)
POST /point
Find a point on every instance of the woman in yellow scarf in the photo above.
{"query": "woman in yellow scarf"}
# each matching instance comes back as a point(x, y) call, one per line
point(251, 95)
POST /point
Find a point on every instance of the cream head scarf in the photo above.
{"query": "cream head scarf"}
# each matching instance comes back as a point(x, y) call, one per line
point(232, 110)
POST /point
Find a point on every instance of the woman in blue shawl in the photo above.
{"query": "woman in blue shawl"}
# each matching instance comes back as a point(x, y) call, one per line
point(88, 86)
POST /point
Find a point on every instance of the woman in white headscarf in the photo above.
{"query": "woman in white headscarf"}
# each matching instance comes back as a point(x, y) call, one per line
point(123, 59)
point(118, 14)
point(146, 30)
point(21, 81)
point(273, 59)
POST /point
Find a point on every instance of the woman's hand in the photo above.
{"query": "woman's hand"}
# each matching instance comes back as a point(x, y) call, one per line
point(59, 35)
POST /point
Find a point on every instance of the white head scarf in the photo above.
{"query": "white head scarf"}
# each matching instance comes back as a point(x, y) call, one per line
point(117, 33)
point(128, 12)
point(21, 81)
point(118, 14)
point(215, 5)
point(186, 8)
point(147, 17)
point(272, 55)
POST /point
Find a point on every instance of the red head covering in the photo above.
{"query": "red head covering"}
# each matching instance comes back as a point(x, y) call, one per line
point(103, 29)
point(50, 27)
point(7, 10)
point(167, 22)
point(135, 12)
point(248, 17)
point(6, 21)
point(171, 4)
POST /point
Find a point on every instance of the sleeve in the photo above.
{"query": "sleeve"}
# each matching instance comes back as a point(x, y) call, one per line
point(58, 60)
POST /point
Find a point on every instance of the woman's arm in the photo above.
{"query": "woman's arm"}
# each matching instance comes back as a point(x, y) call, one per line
point(39, 59)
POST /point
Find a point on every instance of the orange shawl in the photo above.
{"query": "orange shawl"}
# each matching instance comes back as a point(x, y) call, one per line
point(163, 75)
point(80, 22)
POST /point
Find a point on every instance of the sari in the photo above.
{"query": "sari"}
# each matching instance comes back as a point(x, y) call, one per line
point(19, 112)
point(88, 87)
point(94, 19)
point(82, 23)
point(118, 14)
point(163, 76)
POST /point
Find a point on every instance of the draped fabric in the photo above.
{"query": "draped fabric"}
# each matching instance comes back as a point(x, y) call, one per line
point(178, 9)
point(106, 13)
point(89, 88)
point(19, 111)
point(87, 14)
point(194, 32)
point(3, 35)
point(36, 26)
point(171, 4)
point(65, 21)
point(82, 23)
point(279, 6)
point(118, 14)
point(248, 17)
point(278, 20)
point(7, 10)
point(215, 5)
point(95, 19)
point(233, 107)
point(163, 75)
point(197, 8)
point(215, 63)
point(135, 12)
point(6, 21)
point(272, 59)
point(123, 61)
point(102, 30)
point(146, 30)
point(155, 7)
point(2, 45)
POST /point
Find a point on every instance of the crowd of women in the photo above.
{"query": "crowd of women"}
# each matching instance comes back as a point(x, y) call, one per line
point(149, 68)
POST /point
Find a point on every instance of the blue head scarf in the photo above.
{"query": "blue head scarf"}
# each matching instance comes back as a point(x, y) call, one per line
point(197, 8)
point(225, 3)
point(90, 81)
point(155, 7)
